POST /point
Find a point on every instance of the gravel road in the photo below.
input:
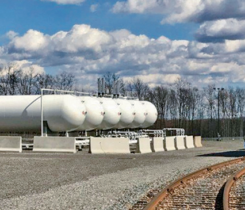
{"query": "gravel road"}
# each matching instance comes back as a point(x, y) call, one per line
point(84, 181)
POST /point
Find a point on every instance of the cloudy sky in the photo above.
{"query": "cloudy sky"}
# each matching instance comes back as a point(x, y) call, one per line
point(155, 40)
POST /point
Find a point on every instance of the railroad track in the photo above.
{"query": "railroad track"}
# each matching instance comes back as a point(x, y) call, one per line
point(207, 188)
point(234, 192)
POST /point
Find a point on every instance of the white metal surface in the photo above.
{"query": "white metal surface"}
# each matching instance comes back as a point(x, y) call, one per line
point(23, 113)
point(151, 114)
point(65, 113)
point(140, 114)
point(112, 113)
point(127, 113)
point(95, 113)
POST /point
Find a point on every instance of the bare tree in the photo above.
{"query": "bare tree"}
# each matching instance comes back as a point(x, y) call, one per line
point(232, 111)
point(110, 78)
point(4, 83)
point(159, 97)
point(26, 82)
point(182, 95)
point(64, 81)
point(194, 102)
point(172, 107)
point(45, 81)
point(9, 80)
point(210, 96)
point(138, 88)
point(240, 106)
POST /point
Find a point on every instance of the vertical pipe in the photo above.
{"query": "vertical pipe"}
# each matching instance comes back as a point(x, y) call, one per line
point(118, 88)
point(114, 89)
point(103, 86)
point(99, 86)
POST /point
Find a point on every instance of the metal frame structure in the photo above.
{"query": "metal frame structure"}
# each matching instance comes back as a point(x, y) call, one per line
point(179, 131)
point(125, 134)
point(155, 133)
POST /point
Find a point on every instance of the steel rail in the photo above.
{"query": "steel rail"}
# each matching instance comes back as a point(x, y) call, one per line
point(231, 181)
point(169, 189)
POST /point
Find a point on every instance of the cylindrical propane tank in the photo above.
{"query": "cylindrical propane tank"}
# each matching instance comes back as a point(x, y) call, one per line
point(112, 113)
point(127, 113)
point(23, 113)
point(95, 113)
point(151, 114)
point(140, 114)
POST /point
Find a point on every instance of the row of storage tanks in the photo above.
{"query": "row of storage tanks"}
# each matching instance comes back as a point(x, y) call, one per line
point(74, 113)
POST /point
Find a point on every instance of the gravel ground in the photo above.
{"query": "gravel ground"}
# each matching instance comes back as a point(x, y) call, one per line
point(84, 181)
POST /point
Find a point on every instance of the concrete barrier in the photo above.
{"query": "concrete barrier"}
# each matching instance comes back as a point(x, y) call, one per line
point(157, 144)
point(11, 143)
point(179, 142)
point(198, 141)
point(54, 144)
point(189, 142)
point(143, 145)
point(109, 145)
point(169, 143)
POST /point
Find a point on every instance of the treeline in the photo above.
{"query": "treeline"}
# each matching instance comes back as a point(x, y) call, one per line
point(19, 82)
point(204, 111)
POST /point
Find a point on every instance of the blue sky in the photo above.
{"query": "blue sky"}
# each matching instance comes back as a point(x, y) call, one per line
point(157, 41)
point(50, 17)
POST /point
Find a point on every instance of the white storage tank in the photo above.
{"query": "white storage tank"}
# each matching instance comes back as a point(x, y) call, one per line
point(23, 113)
point(151, 114)
point(112, 113)
point(127, 113)
point(140, 114)
point(95, 113)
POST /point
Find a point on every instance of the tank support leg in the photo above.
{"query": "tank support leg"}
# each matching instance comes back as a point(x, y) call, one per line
point(45, 129)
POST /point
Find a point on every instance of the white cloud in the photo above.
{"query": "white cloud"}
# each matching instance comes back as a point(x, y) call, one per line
point(234, 46)
point(94, 7)
point(221, 30)
point(26, 67)
point(66, 1)
point(184, 10)
point(31, 41)
point(11, 34)
point(143, 6)
point(154, 80)
point(89, 52)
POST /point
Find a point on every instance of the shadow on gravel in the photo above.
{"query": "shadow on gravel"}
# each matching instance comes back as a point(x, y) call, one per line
point(237, 153)
point(219, 198)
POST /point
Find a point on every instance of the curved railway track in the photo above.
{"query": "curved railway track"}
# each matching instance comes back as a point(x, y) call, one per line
point(207, 188)
point(234, 192)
